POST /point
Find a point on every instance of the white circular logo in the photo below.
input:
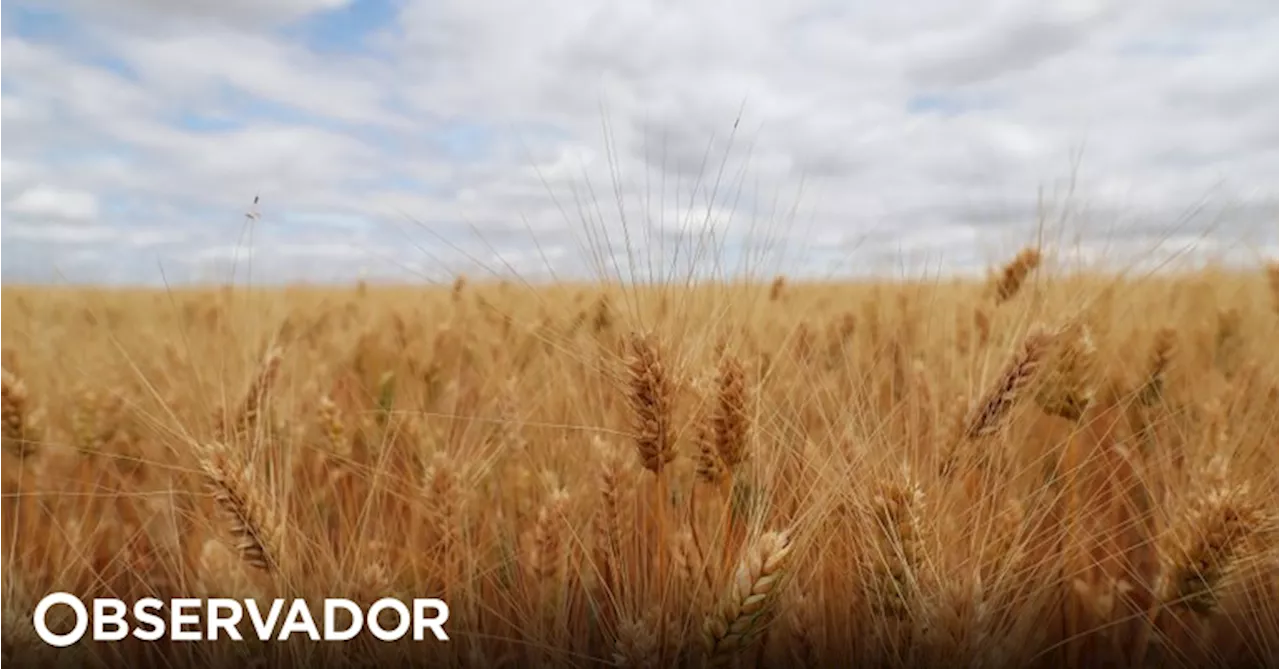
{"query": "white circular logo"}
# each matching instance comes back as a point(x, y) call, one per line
point(42, 628)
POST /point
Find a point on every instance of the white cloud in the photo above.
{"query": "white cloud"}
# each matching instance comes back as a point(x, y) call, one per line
point(1010, 39)
point(12, 109)
point(242, 13)
point(59, 233)
point(53, 204)
point(198, 64)
point(13, 172)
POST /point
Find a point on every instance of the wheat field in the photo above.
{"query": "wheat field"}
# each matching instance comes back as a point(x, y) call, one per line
point(1040, 470)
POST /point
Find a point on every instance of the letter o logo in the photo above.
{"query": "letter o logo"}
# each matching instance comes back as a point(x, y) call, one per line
point(42, 628)
point(375, 625)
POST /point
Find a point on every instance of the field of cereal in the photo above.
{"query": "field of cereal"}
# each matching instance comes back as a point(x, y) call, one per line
point(1041, 470)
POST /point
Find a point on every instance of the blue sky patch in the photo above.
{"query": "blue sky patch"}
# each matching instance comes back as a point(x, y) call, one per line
point(348, 29)
point(924, 103)
point(462, 140)
point(945, 104)
point(1160, 48)
point(39, 24)
point(202, 122)
point(52, 27)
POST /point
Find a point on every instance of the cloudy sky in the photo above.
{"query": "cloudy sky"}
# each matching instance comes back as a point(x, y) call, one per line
point(415, 139)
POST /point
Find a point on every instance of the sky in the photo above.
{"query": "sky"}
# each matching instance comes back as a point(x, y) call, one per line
point(643, 140)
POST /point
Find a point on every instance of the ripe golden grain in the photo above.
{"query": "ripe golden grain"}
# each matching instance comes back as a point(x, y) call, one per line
point(401, 450)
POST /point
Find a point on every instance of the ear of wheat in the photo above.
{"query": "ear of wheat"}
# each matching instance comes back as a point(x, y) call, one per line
point(993, 409)
point(738, 617)
point(253, 524)
point(651, 403)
